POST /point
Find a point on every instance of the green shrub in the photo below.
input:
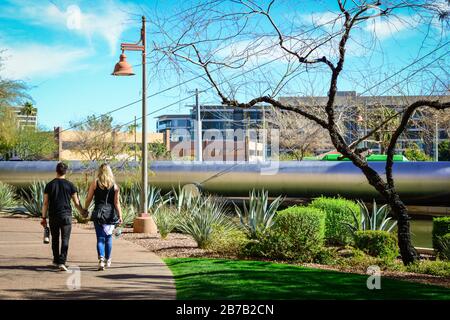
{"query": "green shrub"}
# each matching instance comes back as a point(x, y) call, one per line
point(376, 243)
point(356, 259)
point(441, 226)
point(436, 268)
point(165, 219)
point(227, 240)
point(297, 234)
point(338, 215)
point(7, 196)
point(325, 255)
point(414, 153)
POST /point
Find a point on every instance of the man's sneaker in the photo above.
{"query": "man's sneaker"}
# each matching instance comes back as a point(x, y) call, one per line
point(55, 264)
point(108, 263)
point(101, 264)
point(62, 267)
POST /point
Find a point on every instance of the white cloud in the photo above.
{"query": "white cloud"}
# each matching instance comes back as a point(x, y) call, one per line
point(382, 27)
point(36, 60)
point(386, 27)
point(268, 48)
point(104, 19)
point(326, 19)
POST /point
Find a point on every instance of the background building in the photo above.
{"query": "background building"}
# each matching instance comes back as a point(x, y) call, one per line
point(175, 125)
point(355, 110)
point(356, 114)
point(69, 143)
point(232, 126)
point(23, 119)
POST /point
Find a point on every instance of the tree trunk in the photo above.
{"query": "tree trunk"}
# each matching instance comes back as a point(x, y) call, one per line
point(407, 250)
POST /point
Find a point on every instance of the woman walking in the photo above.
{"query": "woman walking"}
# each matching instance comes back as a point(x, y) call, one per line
point(106, 214)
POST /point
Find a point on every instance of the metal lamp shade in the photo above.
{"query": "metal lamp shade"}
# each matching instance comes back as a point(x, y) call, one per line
point(123, 68)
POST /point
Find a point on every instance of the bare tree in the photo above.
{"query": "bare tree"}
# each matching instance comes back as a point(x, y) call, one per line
point(97, 140)
point(229, 35)
point(298, 136)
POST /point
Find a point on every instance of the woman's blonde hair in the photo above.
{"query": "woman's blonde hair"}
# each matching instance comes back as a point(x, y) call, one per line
point(105, 176)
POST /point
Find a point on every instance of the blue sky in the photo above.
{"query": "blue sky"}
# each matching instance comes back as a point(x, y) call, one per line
point(66, 49)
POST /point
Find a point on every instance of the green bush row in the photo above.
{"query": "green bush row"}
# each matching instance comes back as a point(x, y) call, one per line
point(377, 243)
point(297, 234)
point(436, 268)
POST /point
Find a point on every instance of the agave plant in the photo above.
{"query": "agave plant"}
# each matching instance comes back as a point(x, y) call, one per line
point(33, 199)
point(7, 196)
point(444, 247)
point(184, 200)
point(200, 220)
point(165, 219)
point(129, 213)
point(155, 199)
point(132, 196)
point(377, 220)
point(258, 216)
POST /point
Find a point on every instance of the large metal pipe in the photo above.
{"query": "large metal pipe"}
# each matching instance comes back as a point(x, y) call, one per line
point(419, 183)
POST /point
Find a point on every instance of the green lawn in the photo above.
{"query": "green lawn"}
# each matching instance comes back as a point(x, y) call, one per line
point(197, 278)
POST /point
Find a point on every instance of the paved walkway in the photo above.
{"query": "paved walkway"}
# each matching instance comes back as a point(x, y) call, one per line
point(26, 271)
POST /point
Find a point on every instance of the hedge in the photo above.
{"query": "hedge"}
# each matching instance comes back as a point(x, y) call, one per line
point(297, 234)
point(381, 244)
point(338, 212)
point(441, 226)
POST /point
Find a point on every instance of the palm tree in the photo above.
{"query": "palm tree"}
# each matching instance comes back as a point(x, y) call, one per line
point(28, 110)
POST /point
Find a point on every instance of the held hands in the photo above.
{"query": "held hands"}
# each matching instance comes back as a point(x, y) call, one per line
point(85, 213)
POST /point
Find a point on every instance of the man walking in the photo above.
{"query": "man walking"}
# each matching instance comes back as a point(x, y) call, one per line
point(57, 196)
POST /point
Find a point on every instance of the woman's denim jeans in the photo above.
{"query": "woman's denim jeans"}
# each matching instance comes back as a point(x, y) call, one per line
point(104, 242)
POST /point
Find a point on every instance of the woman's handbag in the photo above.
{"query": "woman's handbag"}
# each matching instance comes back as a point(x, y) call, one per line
point(105, 213)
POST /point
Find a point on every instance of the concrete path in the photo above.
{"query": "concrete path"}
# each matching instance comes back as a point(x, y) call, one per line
point(26, 271)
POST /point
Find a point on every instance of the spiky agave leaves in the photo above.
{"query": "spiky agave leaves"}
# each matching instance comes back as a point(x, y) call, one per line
point(199, 221)
point(378, 219)
point(258, 216)
point(33, 199)
point(7, 196)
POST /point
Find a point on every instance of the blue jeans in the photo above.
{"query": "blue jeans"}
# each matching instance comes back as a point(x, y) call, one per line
point(104, 242)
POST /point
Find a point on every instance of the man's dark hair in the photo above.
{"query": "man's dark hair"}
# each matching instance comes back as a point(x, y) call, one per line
point(61, 168)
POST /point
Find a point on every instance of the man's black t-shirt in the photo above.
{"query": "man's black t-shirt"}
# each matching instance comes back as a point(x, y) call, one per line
point(59, 192)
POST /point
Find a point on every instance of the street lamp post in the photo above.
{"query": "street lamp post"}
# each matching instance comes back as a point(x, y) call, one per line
point(144, 223)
